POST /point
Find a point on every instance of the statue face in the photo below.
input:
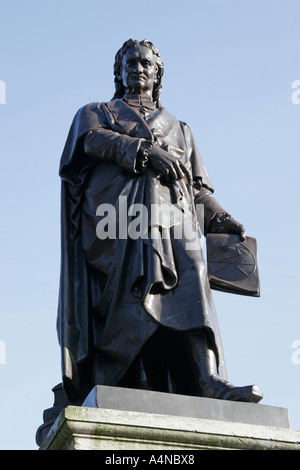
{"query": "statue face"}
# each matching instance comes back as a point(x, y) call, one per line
point(139, 70)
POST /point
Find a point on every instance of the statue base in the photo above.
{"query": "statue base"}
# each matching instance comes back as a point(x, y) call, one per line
point(126, 419)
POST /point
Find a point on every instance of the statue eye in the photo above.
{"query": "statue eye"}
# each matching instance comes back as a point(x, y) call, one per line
point(130, 62)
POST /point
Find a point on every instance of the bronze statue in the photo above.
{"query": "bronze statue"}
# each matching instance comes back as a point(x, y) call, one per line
point(137, 311)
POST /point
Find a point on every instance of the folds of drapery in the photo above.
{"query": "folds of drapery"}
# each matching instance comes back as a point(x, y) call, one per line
point(114, 292)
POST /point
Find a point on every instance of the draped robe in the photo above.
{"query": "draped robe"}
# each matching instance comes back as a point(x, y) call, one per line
point(116, 291)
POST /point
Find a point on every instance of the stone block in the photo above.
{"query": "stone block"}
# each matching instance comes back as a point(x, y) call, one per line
point(145, 401)
point(116, 419)
point(83, 428)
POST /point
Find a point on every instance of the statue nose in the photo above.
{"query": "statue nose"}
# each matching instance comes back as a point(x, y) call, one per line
point(139, 68)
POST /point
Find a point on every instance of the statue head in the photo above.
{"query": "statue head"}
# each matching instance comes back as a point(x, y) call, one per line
point(157, 86)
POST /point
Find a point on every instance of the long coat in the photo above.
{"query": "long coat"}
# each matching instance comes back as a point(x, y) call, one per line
point(116, 291)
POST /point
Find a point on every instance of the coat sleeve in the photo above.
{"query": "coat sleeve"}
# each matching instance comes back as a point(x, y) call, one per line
point(92, 139)
point(108, 145)
point(211, 206)
point(202, 184)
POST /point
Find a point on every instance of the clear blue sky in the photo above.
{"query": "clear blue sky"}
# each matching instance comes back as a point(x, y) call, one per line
point(229, 67)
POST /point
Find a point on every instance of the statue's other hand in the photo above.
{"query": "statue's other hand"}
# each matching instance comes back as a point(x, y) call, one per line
point(224, 223)
point(172, 168)
point(232, 226)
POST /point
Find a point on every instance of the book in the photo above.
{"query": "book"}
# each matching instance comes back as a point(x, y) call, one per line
point(232, 264)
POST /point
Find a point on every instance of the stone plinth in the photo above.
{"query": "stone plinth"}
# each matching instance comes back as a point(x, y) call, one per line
point(181, 426)
point(127, 399)
point(82, 428)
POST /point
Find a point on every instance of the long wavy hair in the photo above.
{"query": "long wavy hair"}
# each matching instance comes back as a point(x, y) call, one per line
point(120, 89)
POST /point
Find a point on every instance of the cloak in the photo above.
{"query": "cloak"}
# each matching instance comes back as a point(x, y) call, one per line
point(115, 292)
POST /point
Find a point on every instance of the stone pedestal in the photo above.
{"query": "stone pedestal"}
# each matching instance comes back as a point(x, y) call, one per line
point(126, 419)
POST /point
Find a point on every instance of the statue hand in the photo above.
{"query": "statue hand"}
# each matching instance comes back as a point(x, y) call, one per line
point(171, 168)
point(224, 223)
